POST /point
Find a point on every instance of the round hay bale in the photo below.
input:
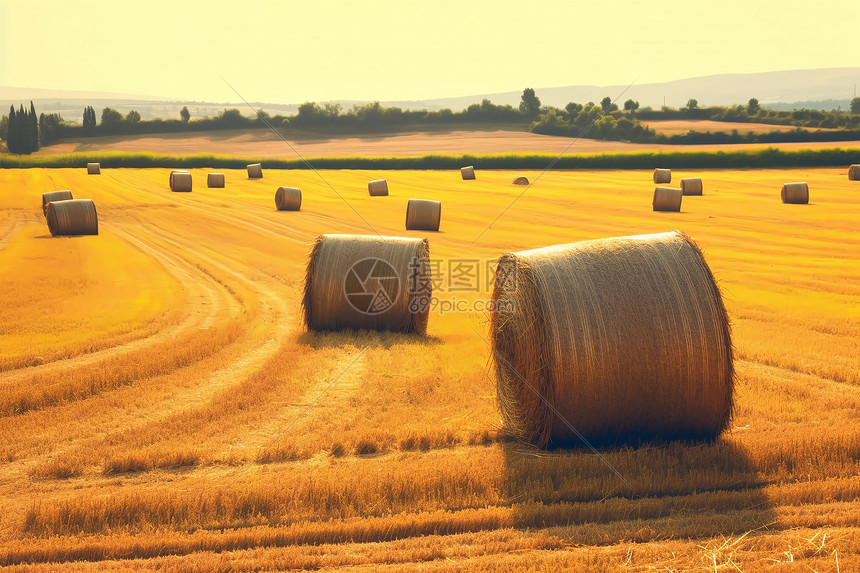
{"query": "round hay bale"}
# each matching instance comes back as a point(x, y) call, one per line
point(255, 171)
point(667, 199)
point(423, 215)
point(378, 188)
point(467, 172)
point(691, 186)
point(54, 196)
point(180, 180)
point(854, 173)
point(214, 180)
point(370, 282)
point(662, 176)
point(521, 181)
point(288, 199)
point(72, 217)
point(94, 168)
point(797, 193)
point(620, 340)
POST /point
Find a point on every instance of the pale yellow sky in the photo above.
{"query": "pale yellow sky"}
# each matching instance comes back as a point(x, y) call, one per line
point(294, 51)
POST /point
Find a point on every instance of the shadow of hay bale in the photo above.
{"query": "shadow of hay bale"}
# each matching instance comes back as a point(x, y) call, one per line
point(660, 490)
point(364, 339)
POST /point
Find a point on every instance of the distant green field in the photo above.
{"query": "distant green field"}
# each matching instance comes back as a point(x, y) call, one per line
point(759, 158)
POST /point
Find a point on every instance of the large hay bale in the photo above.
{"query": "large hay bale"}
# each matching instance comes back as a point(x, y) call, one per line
point(255, 171)
point(216, 180)
point(662, 176)
point(288, 199)
point(366, 281)
point(614, 340)
point(691, 186)
point(72, 217)
point(521, 181)
point(54, 196)
point(423, 215)
point(667, 199)
point(378, 188)
point(180, 180)
point(854, 173)
point(797, 193)
point(94, 168)
point(468, 172)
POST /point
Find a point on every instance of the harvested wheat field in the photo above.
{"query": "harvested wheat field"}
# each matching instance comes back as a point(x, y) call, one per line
point(163, 407)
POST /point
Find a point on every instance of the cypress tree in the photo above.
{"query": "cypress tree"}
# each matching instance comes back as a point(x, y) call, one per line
point(34, 127)
point(12, 133)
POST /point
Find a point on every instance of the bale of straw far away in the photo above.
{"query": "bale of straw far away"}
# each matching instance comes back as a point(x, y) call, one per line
point(54, 196)
point(180, 180)
point(94, 168)
point(368, 282)
point(627, 339)
point(854, 173)
point(662, 176)
point(378, 188)
point(423, 215)
point(467, 172)
point(795, 193)
point(72, 217)
point(216, 180)
point(691, 186)
point(667, 199)
point(288, 199)
point(521, 181)
point(255, 171)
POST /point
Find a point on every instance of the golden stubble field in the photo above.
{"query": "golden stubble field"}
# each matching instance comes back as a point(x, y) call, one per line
point(162, 407)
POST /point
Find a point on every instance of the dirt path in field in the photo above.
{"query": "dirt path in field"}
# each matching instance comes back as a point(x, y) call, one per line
point(260, 143)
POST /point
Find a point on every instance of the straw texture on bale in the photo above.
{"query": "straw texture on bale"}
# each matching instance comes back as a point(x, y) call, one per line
point(94, 168)
point(667, 199)
point(423, 215)
point(662, 176)
point(54, 196)
point(288, 199)
point(180, 180)
point(521, 181)
point(369, 282)
point(255, 171)
point(622, 339)
point(216, 180)
point(72, 217)
point(378, 188)
point(467, 172)
point(854, 173)
point(797, 193)
point(691, 186)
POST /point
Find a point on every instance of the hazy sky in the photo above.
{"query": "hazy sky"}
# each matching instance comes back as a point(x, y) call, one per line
point(295, 51)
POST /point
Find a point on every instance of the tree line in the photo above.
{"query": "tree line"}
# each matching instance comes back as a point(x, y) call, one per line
point(22, 130)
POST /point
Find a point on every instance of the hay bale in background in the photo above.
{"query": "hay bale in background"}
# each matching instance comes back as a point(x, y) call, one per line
point(366, 281)
point(180, 180)
point(626, 338)
point(423, 215)
point(662, 176)
point(797, 193)
point(54, 196)
point(288, 199)
point(521, 181)
point(667, 199)
point(854, 173)
point(691, 186)
point(378, 188)
point(72, 217)
point(255, 171)
point(467, 172)
point(94, 168)
point(216, 180)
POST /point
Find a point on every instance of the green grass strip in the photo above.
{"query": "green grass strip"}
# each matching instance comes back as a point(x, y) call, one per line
point(757, 158)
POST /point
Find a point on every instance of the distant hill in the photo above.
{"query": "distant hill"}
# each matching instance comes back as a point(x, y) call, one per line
point(816, 89)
